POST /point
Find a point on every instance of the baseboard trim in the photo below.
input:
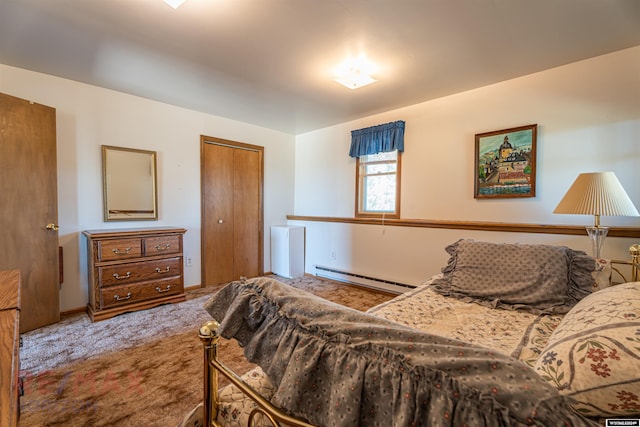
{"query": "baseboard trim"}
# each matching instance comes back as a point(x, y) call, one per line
point(73, 312)
point(362, 280)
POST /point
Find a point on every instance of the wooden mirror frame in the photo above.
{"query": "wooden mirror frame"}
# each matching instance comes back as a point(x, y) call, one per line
point(129, 184)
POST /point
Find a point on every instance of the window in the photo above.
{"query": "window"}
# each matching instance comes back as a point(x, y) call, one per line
point(378, 185)
point(378, 150)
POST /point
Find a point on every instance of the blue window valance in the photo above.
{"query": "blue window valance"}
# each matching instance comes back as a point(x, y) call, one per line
point(377, 139)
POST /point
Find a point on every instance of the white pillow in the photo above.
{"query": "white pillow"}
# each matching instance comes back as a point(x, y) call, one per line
point(593, 355)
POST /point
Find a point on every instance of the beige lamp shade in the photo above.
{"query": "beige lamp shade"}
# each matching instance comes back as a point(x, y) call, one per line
point(597, 193)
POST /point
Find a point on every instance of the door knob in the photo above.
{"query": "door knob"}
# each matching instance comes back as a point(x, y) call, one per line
point(220, 221)
point(52, 227)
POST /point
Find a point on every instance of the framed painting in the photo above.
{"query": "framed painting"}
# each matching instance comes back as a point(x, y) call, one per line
point(505, 163)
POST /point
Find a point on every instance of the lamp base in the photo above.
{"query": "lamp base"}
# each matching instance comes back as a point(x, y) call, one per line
point(597, 235)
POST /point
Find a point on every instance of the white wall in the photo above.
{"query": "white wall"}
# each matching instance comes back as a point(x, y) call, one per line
point(88, 117)
point(588, 116)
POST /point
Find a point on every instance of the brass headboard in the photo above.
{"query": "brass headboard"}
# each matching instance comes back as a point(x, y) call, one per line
point(209, 336)
point(634, 265)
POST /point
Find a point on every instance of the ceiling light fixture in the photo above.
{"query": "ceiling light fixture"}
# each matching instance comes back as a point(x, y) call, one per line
point(355, 72)
point(174, 3)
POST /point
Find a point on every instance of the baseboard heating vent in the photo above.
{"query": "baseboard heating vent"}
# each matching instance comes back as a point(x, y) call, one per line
point(362, 280)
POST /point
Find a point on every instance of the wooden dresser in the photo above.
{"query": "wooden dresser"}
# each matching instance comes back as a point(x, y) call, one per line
point(10, 384)
point(133, 269)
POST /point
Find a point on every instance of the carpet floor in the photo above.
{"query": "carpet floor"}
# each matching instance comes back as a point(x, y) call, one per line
point(136, 369)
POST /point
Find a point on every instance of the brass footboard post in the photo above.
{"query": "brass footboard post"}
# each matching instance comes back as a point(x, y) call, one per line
point(209, 336)
point(634, 250)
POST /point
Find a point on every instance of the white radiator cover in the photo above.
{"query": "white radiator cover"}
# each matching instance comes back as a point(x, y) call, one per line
point(287, 251)
point(362, 280)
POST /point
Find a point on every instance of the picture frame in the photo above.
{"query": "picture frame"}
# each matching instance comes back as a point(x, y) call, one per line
point(505, 163)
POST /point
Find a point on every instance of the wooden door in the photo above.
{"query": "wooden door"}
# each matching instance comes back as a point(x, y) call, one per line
point(217, 214)
point(247, 230)
point(29, 202)
point(231, 179)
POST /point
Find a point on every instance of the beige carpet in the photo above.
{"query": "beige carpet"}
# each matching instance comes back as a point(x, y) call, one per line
point(136, 369)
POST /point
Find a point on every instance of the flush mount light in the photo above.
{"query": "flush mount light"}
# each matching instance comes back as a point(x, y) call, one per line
point(174, 3)
point(355, 72)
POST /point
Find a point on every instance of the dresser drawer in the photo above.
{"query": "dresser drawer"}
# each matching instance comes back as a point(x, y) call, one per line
point(120, 274)
point(133, 269)
point(128, 294)
point(112, 250)
point(162, 245)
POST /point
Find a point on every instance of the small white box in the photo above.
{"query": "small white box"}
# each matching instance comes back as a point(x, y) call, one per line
point(287, 250)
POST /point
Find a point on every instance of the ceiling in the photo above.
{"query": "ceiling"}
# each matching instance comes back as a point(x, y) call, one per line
point(270, 62)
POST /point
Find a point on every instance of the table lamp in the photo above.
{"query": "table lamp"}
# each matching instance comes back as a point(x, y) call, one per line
point(597, 194)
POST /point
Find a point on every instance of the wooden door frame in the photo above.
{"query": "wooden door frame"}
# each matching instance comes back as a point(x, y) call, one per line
point(204, 139)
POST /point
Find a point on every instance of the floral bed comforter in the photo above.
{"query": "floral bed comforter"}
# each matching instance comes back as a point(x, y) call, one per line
point(277, 327)
point(521, 335)
point(518, 334)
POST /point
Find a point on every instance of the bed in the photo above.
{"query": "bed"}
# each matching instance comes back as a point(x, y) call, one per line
point(506, 334)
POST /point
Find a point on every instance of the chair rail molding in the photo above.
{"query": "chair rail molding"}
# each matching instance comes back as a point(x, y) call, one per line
point(578, 230)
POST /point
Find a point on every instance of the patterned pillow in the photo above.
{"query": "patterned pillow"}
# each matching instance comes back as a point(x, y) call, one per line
point(593, 356)
point(235, 409)
point(531, 277)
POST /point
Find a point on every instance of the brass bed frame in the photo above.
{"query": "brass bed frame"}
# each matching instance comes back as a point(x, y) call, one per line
point(208, 334)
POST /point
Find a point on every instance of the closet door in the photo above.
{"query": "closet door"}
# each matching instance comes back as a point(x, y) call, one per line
point(247, 212)
point(231, 180)
point(29, 207)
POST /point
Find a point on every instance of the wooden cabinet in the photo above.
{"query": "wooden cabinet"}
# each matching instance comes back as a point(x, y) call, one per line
point(133, 269)
point(10, 384)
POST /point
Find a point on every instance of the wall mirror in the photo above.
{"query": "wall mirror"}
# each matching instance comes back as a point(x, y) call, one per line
point(129, 184)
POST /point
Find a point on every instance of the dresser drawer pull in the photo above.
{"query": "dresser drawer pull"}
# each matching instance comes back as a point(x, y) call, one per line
point(163, 248)
point(119, 252)
point(119, 277)
point(166, 270)
point(163, 290)
point(117, 297)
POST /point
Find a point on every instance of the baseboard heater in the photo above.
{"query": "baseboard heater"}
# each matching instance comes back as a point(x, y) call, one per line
point(360, 279)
